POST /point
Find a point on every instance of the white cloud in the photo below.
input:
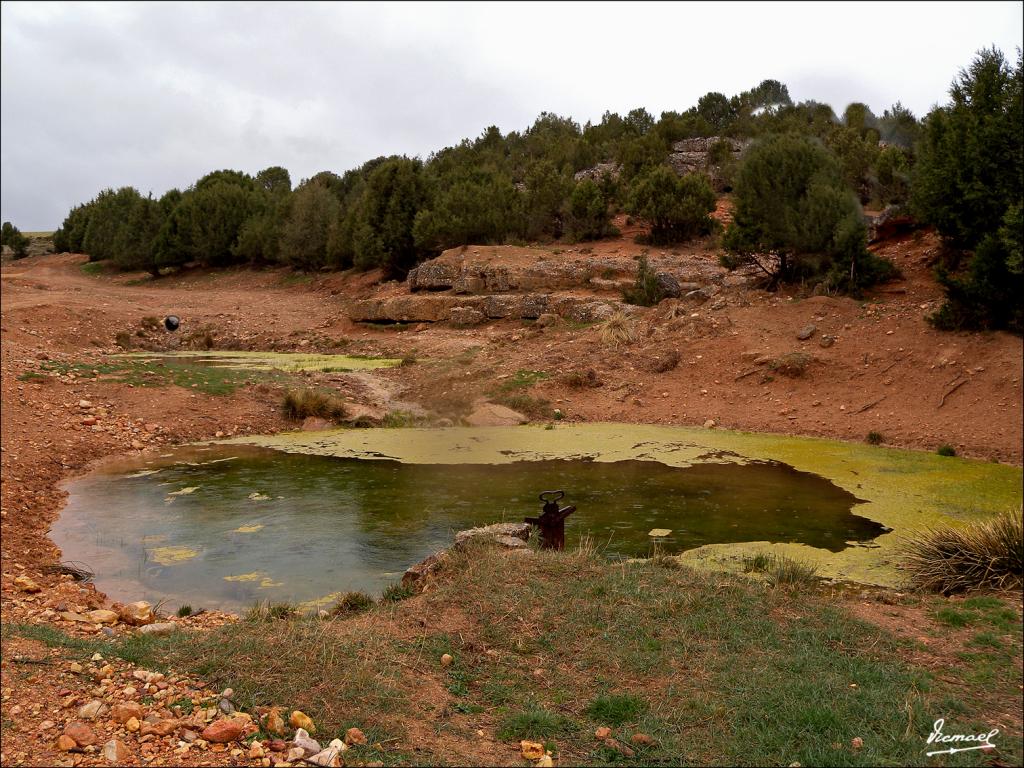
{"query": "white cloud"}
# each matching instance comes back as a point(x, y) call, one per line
point(155, 95)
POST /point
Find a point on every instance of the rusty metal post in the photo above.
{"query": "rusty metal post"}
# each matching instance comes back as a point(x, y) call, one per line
point(552, 520)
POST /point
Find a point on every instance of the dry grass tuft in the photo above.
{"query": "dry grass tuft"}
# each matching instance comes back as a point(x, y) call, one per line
point(982, 555)
point(299, 404)
point(620, 328)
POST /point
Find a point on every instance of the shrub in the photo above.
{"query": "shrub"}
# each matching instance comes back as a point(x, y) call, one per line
point(967, 182)
point(946, 450)
point(676, 207)
point(185, 610)
point(303, 238)
point(795, 218)
point(979, 555)
point(588, 217)
point(781, 570)
point(11, 236)
point(875, 438)
point(383, 219)
point(646, 291)
point(302, 403)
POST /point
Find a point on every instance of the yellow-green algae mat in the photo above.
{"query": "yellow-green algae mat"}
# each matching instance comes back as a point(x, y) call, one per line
point(903, 490)
point(290, 362)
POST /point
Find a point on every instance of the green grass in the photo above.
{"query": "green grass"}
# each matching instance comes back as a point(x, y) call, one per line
point(143, 372)
point(616, 709)
point(718, 669)
point(93, 268)
point(522, 379)
point(533, 723)
point(528, 405)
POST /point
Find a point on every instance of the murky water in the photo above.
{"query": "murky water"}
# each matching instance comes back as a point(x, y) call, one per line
point(227, 525)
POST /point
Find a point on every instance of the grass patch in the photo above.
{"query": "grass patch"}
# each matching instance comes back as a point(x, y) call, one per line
point(979, 555)
point(185, 610)
point(522, 379)
point(781, 570)
point(92, 268)
point(551, 645)
point(299, 404)
point(617, 709)
point(533, 723)
point(351, 603)
point(397, 592)
point(149, 372)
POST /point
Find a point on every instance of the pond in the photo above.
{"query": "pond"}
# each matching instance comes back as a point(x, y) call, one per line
point(304, 516)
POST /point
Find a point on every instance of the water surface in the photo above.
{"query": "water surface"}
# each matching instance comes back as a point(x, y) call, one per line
point(226, 525)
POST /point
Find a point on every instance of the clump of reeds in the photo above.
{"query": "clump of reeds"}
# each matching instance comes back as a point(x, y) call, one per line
point(980, 555)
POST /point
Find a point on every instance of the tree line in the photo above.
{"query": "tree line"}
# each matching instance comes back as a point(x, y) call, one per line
point(798, 193)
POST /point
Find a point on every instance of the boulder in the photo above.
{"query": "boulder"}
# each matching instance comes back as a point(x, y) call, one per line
point(416, 574)
point(137, 613)
point(224, 730)
point(102, 616)
point(80, 733)
point(806, 332)
point(668, 285)
point(122, 713)
point(308, 744)
point(116, 752)
point(518, 531)
point(495, 415)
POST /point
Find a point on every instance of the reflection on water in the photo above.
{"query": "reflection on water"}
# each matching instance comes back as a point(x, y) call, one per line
point(224, 526)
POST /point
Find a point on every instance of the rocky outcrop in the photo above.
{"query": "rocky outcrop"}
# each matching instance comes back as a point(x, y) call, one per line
point(599, 171)
point(475, 271)
point(507, 535)
point(693, 156)
point(468, 310)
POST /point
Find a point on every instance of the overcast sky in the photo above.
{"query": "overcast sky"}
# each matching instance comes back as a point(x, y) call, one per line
point(155, 95)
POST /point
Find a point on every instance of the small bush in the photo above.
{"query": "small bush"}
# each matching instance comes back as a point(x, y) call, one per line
point(123, 339)
point(946, 450)
point(980, 555)
point(875, 438)
point(646, 291)
point(616, 709)
point(302, 403)
point(352, 602)
point(618, 329)
point(185, 610)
